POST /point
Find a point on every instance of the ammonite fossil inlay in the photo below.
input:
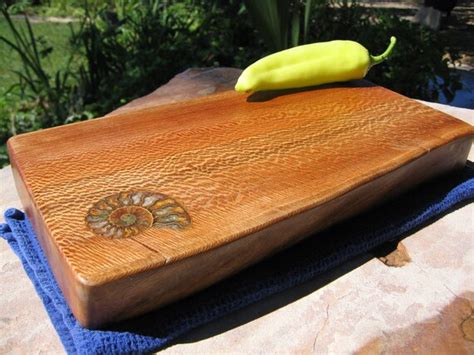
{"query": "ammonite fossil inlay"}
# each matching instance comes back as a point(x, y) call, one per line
point(128, 213)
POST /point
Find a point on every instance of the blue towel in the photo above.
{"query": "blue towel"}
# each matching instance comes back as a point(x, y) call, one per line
point(296, 265)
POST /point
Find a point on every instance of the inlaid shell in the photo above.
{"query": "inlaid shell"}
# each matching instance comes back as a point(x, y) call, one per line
point(128, 213)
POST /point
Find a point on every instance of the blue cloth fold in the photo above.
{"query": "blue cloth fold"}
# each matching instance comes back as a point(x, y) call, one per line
point(296, 265)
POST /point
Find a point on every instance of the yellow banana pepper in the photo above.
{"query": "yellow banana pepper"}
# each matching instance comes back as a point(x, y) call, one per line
point(310, 64)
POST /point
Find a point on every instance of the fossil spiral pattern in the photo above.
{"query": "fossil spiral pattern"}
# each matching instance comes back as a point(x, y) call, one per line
point(128, 213)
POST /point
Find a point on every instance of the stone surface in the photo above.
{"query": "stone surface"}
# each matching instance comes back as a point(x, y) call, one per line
point(24, 323)
point(362, 307)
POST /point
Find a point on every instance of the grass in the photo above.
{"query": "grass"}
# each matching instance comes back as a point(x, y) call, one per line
point(54, 34)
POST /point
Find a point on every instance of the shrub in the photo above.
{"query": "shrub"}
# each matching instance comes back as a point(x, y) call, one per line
point(130, 53)
point(418, 67)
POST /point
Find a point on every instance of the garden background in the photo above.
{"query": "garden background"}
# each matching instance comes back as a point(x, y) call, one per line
point(64, 61)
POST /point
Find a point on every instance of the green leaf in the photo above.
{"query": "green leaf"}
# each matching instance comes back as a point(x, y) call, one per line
point(271, 20)
point(307, 11)
point(295, 28)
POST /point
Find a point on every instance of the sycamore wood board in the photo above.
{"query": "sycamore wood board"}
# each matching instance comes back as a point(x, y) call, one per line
point(144, 208)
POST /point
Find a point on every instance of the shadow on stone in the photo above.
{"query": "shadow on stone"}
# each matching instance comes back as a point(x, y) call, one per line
point(450, 331)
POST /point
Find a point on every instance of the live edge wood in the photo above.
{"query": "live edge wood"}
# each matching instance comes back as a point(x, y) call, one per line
point(254, 177)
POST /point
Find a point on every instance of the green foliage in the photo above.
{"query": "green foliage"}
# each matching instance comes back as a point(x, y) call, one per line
point(59, 8)
point(4, 118)
point(19, 7)
point(50, 95)
point(53, 35)
point(418, 66)
point(40, 97)
point(279, 21)
point(130, 49)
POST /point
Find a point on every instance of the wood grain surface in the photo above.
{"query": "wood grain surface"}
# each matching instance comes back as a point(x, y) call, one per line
point(254, 175)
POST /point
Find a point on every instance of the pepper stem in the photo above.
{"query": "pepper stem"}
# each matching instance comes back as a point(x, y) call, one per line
point(377, 59)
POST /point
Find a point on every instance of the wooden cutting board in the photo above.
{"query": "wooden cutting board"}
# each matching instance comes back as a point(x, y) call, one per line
point(143, 208)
